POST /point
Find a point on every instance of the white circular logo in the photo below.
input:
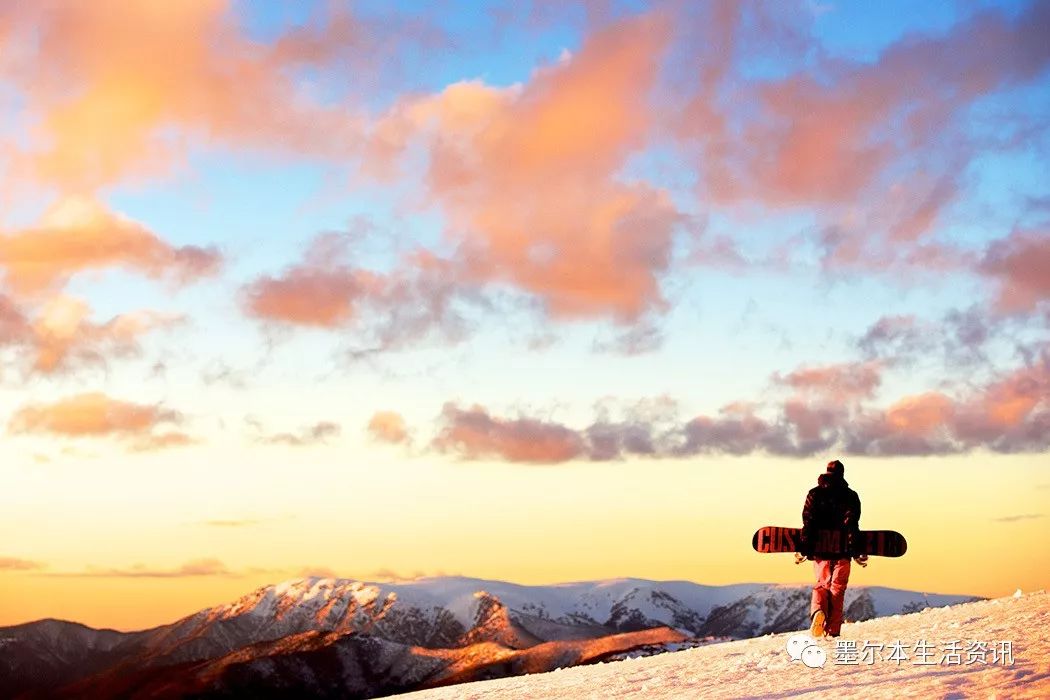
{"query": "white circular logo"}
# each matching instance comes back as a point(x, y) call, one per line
point(797, 643)
point(813, 656)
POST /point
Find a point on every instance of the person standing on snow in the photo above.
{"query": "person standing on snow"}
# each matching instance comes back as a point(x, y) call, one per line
point(830, 505)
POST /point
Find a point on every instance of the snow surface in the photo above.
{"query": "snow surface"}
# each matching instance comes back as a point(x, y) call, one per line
point(761, 667)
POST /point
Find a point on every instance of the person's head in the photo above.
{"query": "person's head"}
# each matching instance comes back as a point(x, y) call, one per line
point(836, 468)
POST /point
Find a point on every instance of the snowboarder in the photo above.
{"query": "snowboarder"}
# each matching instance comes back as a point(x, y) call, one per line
point(831, 504)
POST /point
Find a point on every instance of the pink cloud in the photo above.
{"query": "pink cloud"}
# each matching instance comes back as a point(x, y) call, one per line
point(474, 434)
point(736, 431)
point(1009, 414)
point(825, 139)
point(876, 149)
point(62, 337)
point(1020, 264)
point(839, 383)
point(14, 326)
point(308, 296)
point(327, 289)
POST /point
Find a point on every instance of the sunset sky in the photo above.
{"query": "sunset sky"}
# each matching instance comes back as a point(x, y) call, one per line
point(518, 291)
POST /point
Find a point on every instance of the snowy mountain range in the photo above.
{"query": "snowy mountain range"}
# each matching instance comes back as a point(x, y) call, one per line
point(324, 637)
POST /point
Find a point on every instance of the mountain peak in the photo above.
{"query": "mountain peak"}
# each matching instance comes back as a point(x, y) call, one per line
point(434, 626)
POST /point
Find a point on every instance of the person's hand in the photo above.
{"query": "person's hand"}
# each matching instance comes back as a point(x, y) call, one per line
point(799, 557)
point(861, 559)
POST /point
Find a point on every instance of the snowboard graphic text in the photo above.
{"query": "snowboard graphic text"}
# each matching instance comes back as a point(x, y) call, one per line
point(883, 543)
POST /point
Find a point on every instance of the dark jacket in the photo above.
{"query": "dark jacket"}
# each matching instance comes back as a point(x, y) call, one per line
point(830, 505)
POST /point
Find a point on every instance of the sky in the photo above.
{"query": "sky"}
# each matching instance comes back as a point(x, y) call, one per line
point(535, 292)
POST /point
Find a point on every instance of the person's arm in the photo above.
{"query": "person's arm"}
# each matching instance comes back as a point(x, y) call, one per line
point(853, 526)
point(861, 559)
point(807, 524)
point(853, 514)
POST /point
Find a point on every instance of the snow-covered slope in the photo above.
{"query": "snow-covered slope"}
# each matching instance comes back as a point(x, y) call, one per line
point(762, 667)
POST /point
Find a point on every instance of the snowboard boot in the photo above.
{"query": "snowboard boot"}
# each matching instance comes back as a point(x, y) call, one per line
point(816, 627)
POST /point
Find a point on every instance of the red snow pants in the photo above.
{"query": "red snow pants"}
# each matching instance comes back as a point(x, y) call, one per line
point(832, 577)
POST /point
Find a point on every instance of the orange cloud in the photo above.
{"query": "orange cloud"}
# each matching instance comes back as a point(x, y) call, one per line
point(62, 337)
point(95, 415)
point(1009, 402)
point(15, 564)
point(77, 235)
point(388, 426)
point(162, 441)
point(307, 297)
point(528, 176)
point(921, 416)
point(1010, 414)
point(117, 89)
point(62, 334)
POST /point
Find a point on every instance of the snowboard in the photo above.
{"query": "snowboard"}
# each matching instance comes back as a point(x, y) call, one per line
point(880, 543)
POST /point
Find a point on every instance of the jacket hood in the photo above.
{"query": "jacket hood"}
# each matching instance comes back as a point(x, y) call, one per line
point(828, 480)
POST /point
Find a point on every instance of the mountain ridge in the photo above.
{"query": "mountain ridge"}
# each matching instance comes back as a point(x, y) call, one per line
point(433, 629)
